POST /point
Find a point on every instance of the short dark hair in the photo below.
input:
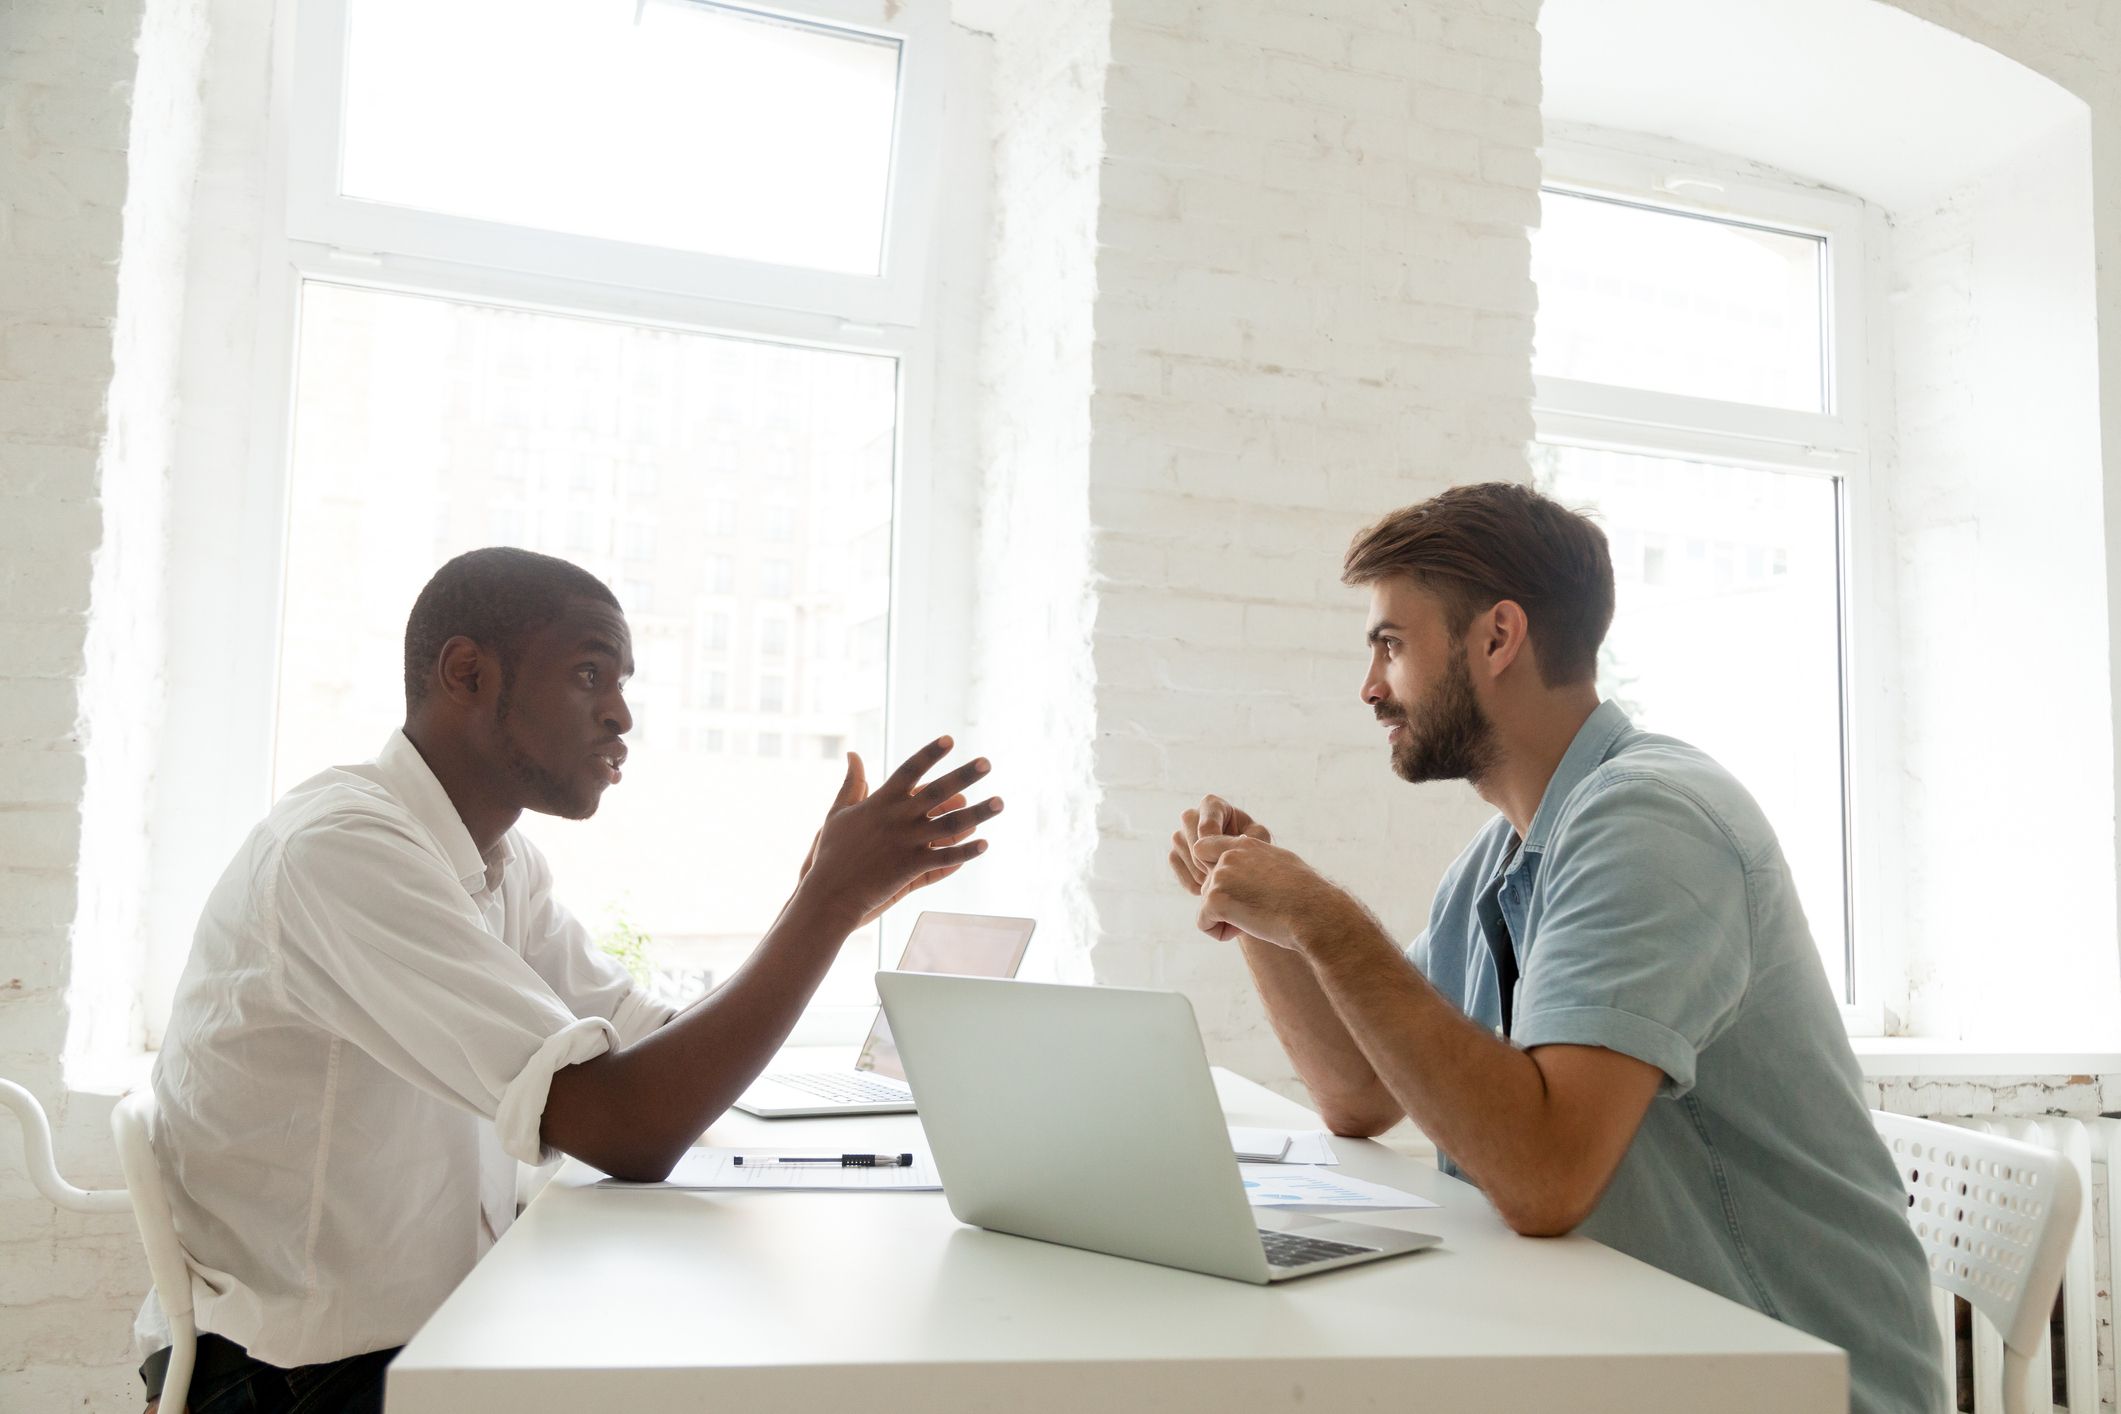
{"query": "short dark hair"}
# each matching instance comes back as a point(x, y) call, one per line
point(1478, 545)
point(494, 597)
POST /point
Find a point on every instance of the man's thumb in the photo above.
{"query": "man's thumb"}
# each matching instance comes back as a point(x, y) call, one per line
point(856, 786)
point(1209, 848)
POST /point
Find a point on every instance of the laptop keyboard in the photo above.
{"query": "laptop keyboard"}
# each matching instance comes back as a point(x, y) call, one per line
point(1286, 1249)
point(844, 1089)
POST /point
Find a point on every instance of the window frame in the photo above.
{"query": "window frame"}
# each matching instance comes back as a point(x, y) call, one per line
point(1835, 443)
point(228, 710)
point(316, 212)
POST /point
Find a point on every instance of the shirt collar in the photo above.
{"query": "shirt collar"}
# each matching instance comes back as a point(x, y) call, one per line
point(1592, 744)
point(408, 777)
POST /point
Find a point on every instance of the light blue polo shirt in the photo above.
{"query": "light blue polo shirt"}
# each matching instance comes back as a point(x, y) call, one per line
point(1653, 914)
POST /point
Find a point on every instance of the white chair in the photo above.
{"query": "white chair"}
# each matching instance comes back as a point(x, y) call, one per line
point(132, 1125)
point(1995, 1218)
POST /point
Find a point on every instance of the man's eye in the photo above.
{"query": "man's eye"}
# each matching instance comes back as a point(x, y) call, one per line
point(589, 676)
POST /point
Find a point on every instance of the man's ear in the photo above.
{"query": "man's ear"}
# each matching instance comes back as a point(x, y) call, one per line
point(467, 677)
point(1505, 635)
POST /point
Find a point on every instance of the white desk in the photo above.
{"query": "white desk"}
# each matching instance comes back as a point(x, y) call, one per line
point(661, 1300)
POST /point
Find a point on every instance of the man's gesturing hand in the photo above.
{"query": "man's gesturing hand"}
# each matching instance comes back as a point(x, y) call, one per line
point(1251, 886)
point(877, 847)
point(1215, 817)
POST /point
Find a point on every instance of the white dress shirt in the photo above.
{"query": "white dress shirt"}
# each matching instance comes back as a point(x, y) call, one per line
point(358, 1054)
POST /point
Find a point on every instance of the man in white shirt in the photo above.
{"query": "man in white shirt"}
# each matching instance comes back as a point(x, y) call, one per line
point(385, 1008)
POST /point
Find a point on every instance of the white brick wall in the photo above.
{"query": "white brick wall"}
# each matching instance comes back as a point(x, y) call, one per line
point(67, 1284)
point(1031, 676)
point(1314, 305)
point(1994, 489)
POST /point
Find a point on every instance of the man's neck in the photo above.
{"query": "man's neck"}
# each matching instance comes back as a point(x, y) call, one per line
point(1532, 737)
point(486, 816)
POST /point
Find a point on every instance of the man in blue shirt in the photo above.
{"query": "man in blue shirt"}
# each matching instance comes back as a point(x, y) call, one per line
point(1616, 1021)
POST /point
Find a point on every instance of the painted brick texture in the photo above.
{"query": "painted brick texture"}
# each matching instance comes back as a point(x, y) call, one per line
point(68, 1284)
point(1314, 304)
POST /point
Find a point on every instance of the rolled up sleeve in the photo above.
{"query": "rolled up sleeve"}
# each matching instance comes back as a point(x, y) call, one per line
point(1645, 947)
point(376, 942)
point(560, 950)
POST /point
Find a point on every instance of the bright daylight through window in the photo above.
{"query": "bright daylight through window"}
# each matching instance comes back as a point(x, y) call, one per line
point(1728, 631)
point(737, 495)
point(667, 123)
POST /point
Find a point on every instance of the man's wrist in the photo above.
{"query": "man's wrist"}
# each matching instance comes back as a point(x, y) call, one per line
point(823, 911)
point(1336, 929)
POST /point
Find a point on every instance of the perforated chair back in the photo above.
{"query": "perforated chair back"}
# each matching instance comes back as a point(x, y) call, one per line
point(1995, 1218)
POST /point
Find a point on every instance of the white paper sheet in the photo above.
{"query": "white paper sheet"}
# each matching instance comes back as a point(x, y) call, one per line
point(717, 1168)
point(1290, 1186)
point(1306, 1146)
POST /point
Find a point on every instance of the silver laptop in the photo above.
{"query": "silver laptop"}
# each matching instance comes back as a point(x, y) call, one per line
point(976, 944)
point(1086, 1116)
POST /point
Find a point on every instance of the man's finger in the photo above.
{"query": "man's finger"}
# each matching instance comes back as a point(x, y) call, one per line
point(1209, 848)
point(1213, 815)
point(949, 829)
point(910, 771)
point(855, 786)
point(1181, 867)
point(1211, 923)
point(955, 802)
point(955, 781)
point(954, 855)
point(1190, 823)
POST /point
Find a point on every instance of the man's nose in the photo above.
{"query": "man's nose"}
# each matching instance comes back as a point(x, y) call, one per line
point(619, 719)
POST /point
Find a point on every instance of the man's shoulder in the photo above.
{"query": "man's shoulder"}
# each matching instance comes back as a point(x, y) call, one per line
point(1652, 775)
point(334, 810)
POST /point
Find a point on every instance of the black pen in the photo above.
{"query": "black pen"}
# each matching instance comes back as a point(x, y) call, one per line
point(845, 1161)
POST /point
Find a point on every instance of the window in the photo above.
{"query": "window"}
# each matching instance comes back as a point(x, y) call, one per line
point(773, 638)
point(773, 694)
point(1697, 393)
point(552, 341)
point(430, 131)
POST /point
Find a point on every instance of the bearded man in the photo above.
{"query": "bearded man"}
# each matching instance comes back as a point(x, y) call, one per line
point(1616, 1022)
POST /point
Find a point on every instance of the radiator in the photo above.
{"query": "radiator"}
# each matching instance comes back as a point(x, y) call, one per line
point(1972, 1351)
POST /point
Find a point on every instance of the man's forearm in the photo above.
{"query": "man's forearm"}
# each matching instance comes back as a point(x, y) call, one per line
point(1483, 1101)
point(1343, 1084)
point(633, 1113)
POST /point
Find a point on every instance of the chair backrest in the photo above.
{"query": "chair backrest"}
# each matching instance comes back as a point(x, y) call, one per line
point(132, 1125)
point(37, 1148)
point(1995, 1218)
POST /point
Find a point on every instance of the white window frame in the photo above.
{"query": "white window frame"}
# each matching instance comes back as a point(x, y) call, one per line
point(1835, 444)
point(316, 212)
point(313, 235)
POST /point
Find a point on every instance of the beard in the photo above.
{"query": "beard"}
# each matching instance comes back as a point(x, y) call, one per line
point(549, 795)
point(1448, 737)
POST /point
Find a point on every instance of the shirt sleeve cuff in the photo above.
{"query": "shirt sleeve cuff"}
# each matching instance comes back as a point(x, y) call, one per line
point(520, 1119)
point(639, 1013)
point(1647, 1041)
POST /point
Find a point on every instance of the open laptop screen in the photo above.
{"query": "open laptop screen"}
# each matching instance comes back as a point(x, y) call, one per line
point(962, 944)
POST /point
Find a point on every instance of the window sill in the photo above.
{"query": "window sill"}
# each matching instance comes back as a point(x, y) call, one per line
point(112, 1073)
point(1897, 1057)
